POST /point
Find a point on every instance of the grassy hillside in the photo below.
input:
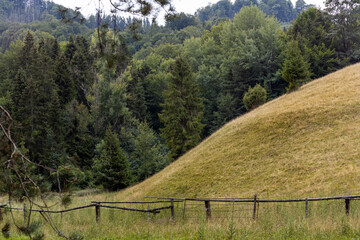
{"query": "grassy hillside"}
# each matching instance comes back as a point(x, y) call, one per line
point(306, 143)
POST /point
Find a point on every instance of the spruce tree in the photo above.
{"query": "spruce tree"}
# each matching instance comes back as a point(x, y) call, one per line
point(295, 70)
point(80, 76)
point(182, 110)
point(112, 166)
point(63, 79)
point(70, 48)
point(136, 95)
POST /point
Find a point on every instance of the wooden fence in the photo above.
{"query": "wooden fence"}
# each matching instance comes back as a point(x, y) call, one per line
point(255, 202)
point(98, 205)
point(206, 205)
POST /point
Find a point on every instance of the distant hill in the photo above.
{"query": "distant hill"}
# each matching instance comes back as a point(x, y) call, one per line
point(306, 143)
point(43, 18)
point(283, 10)
point(27, 11)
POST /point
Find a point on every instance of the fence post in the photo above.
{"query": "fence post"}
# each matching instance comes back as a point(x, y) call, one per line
point(306, 208)
point(1, 215)
point(347, 206)
point(172, 210)
point(254, 212)
point(25, 211)
point(97, 211)
point(184, 209)
point(208, 209)
point(148, 213)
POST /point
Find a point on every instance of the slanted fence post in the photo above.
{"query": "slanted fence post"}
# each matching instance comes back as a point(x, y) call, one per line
point(208, 209)
point(172, 210)
point(254, 210)
point(306, 208)
point(347, 206)
point(97, 211)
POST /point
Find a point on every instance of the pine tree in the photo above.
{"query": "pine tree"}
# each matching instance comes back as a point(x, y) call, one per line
point(64, 80)
point(295, 70)
point(28, 52)
point(18, 86)
point(182, 110)
point(80, 76)
point(53, 48)
point(112, 166)
point(36, 108)
point(70, 48)
point(136, 95)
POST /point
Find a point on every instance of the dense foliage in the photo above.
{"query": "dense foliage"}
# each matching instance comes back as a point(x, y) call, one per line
point(159, 89)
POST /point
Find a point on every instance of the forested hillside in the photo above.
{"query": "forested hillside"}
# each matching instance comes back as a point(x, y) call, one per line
point(110, 103)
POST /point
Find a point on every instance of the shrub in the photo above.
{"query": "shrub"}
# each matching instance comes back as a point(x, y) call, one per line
point(254, 97)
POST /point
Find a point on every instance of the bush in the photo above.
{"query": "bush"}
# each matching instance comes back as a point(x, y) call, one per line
point(254, 97)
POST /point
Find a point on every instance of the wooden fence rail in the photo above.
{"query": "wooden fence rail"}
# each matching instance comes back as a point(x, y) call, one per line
point(171, 200)
point(97, 209)
point(135, 202)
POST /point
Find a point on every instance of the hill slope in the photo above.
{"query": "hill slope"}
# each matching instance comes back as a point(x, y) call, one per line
point(306, 143)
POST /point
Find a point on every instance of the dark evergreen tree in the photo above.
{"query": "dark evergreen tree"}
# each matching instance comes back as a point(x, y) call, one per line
point(55, 48)
point(80, 75)
point(63, 79)
point(70, 48)
point(112, 166)
point(78, 141)
point(182, 110)
point(28, 52)
point(136, 94)
point(19, 84)
point(82, 45)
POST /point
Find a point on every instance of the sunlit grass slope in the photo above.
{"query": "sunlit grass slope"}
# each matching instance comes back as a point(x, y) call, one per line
point(306, 143)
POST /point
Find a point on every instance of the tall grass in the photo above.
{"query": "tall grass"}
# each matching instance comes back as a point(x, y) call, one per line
point(326, 220)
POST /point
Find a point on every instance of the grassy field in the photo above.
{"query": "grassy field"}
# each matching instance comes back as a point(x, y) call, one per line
point(303, 144)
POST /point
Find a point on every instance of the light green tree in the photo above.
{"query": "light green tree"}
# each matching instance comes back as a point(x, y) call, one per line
point(295, 70)
point(254, 97)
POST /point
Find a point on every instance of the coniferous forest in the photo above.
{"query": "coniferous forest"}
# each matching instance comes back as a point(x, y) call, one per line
point(109, 101)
